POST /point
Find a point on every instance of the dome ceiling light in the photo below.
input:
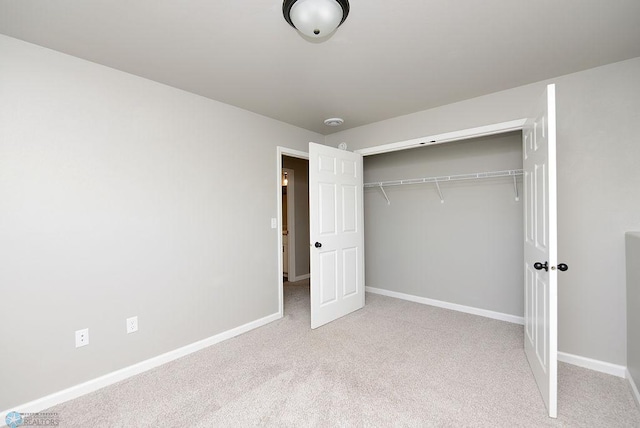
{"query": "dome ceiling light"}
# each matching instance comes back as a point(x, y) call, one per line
point(315, 18)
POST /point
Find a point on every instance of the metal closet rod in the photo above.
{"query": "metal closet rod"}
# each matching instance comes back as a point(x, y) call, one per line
point(443, 178)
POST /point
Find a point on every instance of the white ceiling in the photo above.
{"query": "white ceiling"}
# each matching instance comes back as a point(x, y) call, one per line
point(388, 59)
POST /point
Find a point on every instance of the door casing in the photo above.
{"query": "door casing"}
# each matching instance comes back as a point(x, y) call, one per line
point(291, 224)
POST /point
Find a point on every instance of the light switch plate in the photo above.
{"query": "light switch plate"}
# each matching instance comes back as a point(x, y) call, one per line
point(274, 223)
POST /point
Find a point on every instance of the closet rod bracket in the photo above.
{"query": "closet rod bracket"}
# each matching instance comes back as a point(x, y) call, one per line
point(385, 194)
point(439, 192)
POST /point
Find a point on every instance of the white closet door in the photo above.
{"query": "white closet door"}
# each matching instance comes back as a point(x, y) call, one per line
point(540, 248)
point(337, 233)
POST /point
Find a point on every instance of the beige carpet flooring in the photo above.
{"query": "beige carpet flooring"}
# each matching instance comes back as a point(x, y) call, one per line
point(392, 364)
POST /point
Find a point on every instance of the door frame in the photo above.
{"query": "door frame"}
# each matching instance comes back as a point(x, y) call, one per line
point(447, 137)
point(291, 224)
point(284, 151)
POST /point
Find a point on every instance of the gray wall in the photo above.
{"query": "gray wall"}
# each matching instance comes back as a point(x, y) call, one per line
point(301, 208)
point(598, 188)
point(633, 306)
point(466, 251)
point(118, 197)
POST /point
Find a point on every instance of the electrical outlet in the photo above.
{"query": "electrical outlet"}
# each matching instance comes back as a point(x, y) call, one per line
point(132, 325)
point(82, 337)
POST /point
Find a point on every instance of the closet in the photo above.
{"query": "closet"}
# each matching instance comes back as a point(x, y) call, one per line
point(445, 222)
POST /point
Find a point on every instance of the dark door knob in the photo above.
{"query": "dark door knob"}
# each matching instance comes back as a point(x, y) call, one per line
point(563, 267)
point(318, 245)
point(541, 266)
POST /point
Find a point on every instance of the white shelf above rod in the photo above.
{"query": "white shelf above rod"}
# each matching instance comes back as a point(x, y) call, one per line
point(444, 178)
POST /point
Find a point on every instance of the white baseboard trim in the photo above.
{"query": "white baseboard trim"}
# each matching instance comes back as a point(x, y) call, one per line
point(124, 373)
point(300, 278)
point(446, 305)
point(634, 387)
point(589, 363)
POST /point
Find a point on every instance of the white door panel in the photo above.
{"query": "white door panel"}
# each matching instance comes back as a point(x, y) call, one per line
point(540, 248)
point(336, 232)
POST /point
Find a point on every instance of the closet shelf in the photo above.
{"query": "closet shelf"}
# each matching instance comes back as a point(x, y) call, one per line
point(444, 178)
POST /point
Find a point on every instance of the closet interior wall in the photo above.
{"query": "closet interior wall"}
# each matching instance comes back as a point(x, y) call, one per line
point(467, 250)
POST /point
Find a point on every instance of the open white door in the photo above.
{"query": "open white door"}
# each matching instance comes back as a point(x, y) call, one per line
point(336, 232)
point(540, 248)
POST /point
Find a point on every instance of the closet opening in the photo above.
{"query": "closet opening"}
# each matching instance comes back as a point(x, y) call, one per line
point(444, 225)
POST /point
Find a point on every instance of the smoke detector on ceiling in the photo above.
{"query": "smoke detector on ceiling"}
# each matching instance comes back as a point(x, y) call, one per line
point(334, 121)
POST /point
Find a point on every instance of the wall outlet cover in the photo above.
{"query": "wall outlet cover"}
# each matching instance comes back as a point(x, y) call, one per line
point(82, 337)
point(132, 325)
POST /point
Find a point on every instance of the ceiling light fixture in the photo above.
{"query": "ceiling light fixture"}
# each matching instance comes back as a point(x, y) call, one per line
point(334, 121)
point(315, 18)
